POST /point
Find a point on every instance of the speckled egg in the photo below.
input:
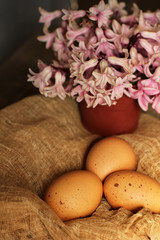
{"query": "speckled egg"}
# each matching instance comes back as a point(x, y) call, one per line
point(132, 190)
point(75, 194)
point(109, 155)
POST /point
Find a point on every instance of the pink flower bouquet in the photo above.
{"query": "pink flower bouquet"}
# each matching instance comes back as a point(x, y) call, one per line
point(102, 54)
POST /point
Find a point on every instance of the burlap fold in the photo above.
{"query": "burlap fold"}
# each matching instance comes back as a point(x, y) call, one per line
point(40, 139)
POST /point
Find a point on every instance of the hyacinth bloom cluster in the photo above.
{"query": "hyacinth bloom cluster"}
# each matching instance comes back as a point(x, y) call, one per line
point(102, 54)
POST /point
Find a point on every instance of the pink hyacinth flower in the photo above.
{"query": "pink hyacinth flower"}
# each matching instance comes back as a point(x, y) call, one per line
point(152, 17)
point(72, 35)
point(103, 76)
point(130, 19)
point(156, 103)
point(59, 45)
point(102, 99)
point(123, 62)
point(87, 65)
point(100, 13)
point(48, 17)
point(102, 54)
point(119, 89)
point(103, 45)
point(137, 61)
point(146, 89)
point(48, 38)
point(41, 79)
point(75, 64)
point(79, 91)
point(56, 89)
point(73, 15)
point(117, 7)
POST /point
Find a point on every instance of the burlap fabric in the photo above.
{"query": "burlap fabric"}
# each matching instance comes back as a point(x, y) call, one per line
point(40, 139)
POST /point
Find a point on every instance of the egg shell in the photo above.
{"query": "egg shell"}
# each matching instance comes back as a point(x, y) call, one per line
point(75, 194)
point(109, 155)
point(132, 190)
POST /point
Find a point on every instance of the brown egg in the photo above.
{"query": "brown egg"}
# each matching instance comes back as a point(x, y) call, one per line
point(132, 190)
point(110, 155)
point(75, 194)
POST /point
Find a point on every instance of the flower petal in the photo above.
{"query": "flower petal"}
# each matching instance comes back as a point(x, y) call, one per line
point(88, 64)
point(156, 104)
point(123, 62)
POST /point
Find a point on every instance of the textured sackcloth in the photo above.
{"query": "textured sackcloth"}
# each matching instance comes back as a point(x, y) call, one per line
point(42, 138)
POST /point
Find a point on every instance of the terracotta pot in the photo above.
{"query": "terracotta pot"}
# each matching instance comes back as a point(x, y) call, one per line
point(106, 121)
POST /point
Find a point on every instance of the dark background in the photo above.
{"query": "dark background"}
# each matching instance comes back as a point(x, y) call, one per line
point(19, 48)
point(19, 20)
point(145, 5)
